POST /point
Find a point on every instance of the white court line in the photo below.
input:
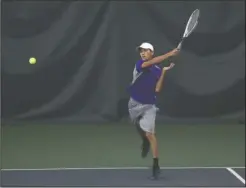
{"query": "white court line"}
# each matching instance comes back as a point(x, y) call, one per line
point(236, 175)
point(114, 168)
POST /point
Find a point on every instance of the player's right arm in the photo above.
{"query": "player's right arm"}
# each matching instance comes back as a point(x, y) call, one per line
point(159, 59)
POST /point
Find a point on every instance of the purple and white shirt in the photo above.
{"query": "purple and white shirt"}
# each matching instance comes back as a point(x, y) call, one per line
point(144, 83)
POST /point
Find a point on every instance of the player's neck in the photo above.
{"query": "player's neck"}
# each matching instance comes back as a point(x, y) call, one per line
point(148, 59)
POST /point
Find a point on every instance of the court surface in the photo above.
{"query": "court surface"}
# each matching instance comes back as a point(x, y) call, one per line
point(188, 155)
point(125, 176)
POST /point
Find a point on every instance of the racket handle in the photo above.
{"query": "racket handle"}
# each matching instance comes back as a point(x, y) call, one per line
point(180, 45)
point(173, 59)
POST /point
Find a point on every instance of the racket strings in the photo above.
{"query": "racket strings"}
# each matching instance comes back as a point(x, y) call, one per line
point(192, 23)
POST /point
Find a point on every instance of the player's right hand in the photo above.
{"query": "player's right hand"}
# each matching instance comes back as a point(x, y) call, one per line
point(174, 52)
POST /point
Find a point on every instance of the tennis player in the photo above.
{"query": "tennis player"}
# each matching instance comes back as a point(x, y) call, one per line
point(147, 82)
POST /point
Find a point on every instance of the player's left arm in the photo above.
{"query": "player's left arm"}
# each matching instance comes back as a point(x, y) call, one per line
point(161, 79)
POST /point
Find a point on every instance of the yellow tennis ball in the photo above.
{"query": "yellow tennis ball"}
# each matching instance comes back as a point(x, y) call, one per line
point(32, 60)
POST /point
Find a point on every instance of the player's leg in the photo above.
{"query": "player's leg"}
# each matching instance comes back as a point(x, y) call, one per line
point(147, 124)
point(145, 147)
point(154, 147)
point(136, 111)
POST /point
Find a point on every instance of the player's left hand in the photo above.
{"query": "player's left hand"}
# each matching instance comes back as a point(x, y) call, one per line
point(169, 67)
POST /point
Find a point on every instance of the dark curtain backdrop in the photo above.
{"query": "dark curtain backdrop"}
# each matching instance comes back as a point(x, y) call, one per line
point(85, 54)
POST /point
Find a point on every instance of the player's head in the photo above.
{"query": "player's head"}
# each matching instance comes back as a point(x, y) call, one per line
point(146, 51)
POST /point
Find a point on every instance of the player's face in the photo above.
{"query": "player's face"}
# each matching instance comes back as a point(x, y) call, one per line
point(146, 54)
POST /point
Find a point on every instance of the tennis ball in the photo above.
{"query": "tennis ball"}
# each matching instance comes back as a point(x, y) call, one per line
point(32, 60)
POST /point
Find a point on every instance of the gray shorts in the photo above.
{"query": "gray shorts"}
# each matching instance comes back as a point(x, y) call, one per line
point(147, 112)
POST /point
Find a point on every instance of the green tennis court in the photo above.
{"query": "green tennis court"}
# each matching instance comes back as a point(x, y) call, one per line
point(118, 145)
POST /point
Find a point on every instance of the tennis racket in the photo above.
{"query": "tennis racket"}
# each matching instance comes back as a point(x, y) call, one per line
point(190, 26)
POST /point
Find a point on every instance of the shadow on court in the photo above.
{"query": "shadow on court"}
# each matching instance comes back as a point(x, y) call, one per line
point(123, 177)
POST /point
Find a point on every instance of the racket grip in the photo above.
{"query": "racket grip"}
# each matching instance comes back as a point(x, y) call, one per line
point(180, 45)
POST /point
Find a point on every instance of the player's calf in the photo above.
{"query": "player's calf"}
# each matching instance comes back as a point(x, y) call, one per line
point(145, 142)
point(153, 142)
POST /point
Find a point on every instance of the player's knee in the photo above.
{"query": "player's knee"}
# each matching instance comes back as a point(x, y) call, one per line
point(149, 135)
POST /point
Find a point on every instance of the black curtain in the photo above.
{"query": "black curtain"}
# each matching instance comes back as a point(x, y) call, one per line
point(86, 54)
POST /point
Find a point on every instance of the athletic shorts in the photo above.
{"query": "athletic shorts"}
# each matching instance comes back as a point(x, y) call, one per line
point(147, 112)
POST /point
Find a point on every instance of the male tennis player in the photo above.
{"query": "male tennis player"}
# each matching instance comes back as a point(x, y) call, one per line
point(147, 82)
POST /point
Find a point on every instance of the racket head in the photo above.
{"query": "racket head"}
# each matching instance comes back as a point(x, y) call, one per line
point(192, 23)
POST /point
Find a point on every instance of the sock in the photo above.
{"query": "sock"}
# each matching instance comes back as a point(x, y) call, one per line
point(155, 162)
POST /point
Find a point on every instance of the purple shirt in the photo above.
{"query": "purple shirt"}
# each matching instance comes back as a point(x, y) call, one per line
point(144, 82)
